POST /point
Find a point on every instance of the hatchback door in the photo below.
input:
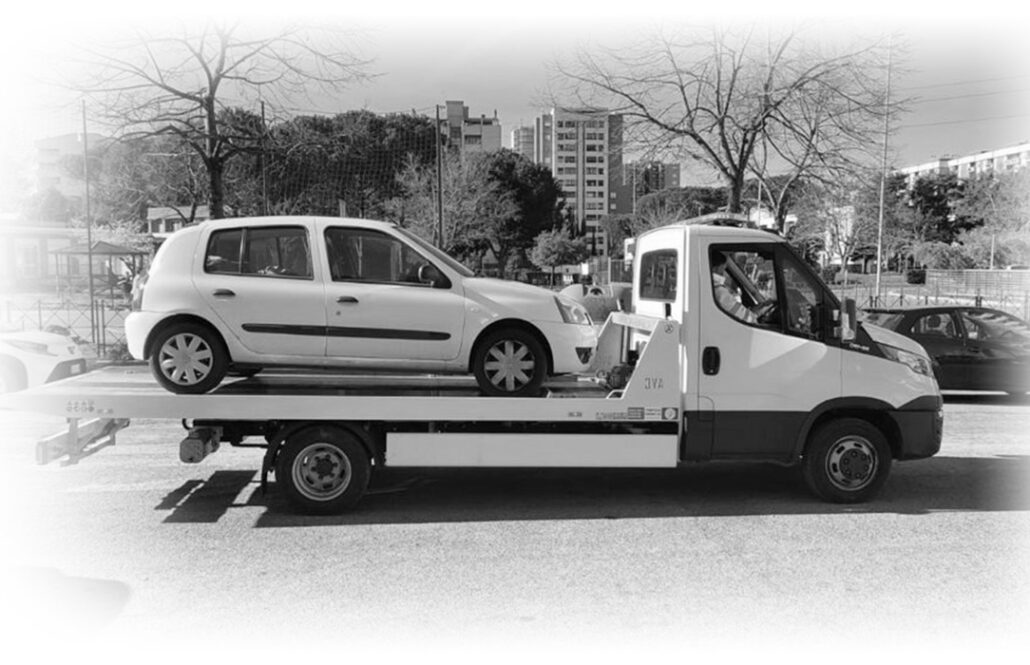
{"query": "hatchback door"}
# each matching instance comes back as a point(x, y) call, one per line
point(379, 307)
point(940, 334)
point(261, 282)
point(997, 348)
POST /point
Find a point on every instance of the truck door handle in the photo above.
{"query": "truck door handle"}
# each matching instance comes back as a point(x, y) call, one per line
point(223, 293)
point(347, 299)
point(710, 360)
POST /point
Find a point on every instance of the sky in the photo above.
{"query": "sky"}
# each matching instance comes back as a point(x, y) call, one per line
point(967, 68)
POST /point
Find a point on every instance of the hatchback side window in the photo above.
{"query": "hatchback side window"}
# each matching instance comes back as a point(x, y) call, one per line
point(364, 255)
point(262, 251)
point(935, 325)
point(995, 326)
point(277, 252)
point(223, 252)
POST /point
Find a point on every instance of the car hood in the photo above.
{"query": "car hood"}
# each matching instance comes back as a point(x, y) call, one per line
point(526, 300)
point(882, 335)
point(56, 344)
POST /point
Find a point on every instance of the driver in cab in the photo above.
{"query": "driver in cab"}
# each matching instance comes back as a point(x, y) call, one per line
point(727, 296)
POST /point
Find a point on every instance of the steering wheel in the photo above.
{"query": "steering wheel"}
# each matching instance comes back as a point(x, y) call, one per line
point(764, 310)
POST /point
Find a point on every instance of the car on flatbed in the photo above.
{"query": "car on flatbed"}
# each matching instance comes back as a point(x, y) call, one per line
point(239, 295)
point(973, 348)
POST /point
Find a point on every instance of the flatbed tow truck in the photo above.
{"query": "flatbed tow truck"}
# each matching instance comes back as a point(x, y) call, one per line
point(678, 380)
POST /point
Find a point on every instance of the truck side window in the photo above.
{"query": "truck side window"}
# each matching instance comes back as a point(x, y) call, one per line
point(744, 283)
point(658, 275)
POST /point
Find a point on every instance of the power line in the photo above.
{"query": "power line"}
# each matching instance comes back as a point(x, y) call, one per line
point(929, 86)
point(970, 95)
point(959, 122)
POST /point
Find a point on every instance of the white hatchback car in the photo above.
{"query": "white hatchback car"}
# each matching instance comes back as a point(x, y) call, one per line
point(238, 295)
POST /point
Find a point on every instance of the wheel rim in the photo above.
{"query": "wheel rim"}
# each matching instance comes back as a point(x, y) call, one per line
point(321, 472)
point(509, 365)
point(852, 463)
point(186, 359)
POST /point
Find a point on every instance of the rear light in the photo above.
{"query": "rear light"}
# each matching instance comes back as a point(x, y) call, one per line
point(138, 283)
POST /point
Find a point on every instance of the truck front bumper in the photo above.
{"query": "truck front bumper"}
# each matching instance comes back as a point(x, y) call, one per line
point(921, 425)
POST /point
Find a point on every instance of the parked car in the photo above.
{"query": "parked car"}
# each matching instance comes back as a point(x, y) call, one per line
point(238, 295)
point(29, 358)
point(973, 348)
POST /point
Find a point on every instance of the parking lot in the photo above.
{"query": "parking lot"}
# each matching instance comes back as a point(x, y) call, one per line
point(132, 551)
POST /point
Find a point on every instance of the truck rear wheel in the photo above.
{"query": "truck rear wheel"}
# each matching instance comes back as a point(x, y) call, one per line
point(323, 470)
point(846, 461)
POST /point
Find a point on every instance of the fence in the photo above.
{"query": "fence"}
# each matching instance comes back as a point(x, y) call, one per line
point(104, 330)
point(1007, 290)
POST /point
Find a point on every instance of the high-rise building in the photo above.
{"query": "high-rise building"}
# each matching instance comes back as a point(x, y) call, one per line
point(522, 141)
point(468, 134)
point(583, 148)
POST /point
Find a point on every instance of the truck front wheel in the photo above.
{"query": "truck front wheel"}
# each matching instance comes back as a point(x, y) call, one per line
point(846, 461)
point(323, 470)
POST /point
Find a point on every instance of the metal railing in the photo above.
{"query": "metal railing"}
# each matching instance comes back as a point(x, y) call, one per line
point(104, 330)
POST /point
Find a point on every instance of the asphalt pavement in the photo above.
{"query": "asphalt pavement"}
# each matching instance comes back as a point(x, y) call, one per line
point(130, 552)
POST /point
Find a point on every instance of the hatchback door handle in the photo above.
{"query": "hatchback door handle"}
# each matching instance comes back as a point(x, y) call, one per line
point(223, 293)
point(347, 300)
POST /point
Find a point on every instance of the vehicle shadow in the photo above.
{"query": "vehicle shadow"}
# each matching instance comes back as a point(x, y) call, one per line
point(414, 496)
point(1000, 399)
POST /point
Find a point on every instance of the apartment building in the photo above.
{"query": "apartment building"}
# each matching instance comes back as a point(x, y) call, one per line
point(469, 134)
point(522, 141)
point(55, 154)
point(583, 148)
point(642, 178)
point(1002, 160)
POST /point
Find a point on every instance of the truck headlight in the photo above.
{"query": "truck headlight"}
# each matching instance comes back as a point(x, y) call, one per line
point(572, 311)
point(915, 362)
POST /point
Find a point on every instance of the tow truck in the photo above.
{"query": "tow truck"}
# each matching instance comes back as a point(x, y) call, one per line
point(681, 378)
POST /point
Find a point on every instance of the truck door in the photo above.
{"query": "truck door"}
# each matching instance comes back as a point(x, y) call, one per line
point(764, 359)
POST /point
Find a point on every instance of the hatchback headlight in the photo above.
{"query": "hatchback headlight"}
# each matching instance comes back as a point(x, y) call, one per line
point(572, 311)
point(915, 362)
point(31, 347)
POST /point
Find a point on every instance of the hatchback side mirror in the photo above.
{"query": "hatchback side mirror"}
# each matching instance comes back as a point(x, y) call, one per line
point(431, 275)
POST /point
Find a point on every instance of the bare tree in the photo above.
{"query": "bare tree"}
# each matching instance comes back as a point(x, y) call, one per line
point(736, 103)
point(188, 85)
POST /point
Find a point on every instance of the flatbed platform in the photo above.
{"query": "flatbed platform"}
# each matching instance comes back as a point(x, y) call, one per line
point(124, 392)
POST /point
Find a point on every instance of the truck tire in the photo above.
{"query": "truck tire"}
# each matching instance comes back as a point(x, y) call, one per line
point(188, 358)
point(509, 362)
point(846, 461)
point(323, 470)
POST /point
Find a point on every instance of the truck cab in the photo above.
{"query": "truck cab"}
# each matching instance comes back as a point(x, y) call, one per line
point(774, 367)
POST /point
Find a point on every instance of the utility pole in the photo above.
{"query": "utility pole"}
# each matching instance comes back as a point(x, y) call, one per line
point(439, 183)
point(89, 228)
point(883, 175)
point(264, 158)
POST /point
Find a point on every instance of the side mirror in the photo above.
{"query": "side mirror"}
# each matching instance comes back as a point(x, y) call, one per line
point(847, 319)
point(430, 274)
